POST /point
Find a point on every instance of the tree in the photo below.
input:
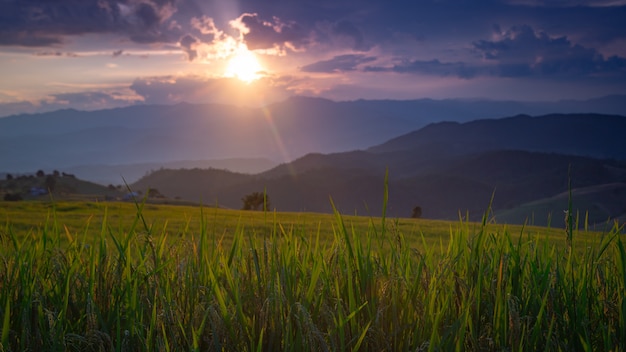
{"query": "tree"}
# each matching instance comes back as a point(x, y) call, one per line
point(154, 193)
point(9, 177)
point(40, 173)
point(417, 212)
point(256, 200)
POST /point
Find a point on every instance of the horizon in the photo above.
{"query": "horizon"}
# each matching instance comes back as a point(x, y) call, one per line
point(286, 99)
point(102, 54)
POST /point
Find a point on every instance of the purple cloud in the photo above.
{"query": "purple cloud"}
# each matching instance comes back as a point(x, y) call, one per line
point(188, 43)
point(339, 63)
point(56, 53)
point(266, 35)
point(436, 67)
point(39, 23)
point(522, 51)
point(349, 30)
point(196, 89)
point(519, 52)
point(91, 100)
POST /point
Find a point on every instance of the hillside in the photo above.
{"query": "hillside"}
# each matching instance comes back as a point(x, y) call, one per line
point(116, 174)
point(597, 205)
point(448, 169)
point(443, 191)
point(593, 135)
point(56, 185)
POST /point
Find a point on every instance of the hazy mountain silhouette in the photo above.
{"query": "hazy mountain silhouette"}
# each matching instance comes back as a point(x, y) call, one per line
point(281, 132)
point(592, 135)
point(150, 134)
point(117, 174)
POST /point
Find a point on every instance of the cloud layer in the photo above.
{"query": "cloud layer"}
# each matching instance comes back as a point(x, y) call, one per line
point(46, 23)
point(318, 47)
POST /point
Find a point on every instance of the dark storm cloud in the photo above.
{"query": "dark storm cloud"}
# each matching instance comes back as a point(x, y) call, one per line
point(591, 22)
point(522, 51)
point(147, 14)
point(264, 34)
point(28, 38)
point(339, 63)
point(347, 29)
point(433, 35)
point(44, 22)
point(434, 67)
point(358, 25)
point(301, 33)
point(552, 39)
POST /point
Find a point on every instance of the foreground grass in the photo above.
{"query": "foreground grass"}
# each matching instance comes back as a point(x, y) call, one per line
point(159, 280)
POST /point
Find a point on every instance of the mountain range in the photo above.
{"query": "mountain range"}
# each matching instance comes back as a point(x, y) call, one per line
point(146, 137)
point(452, 158)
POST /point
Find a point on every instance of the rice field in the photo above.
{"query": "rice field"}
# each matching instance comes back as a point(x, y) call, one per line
point(139, 277)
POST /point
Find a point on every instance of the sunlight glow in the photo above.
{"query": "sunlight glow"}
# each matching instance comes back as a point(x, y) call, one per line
point(244, 66)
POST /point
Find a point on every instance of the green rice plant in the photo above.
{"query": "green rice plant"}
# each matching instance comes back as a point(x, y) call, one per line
point(149, 278)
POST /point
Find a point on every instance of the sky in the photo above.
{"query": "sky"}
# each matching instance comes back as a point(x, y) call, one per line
point(97, 54)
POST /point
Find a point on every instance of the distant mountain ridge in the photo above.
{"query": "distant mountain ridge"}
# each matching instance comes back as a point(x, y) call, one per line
point(593, 135)
point(117, 174)
point(281, 132)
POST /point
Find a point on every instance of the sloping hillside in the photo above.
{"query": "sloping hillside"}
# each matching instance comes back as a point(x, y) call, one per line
point(597, 206)
point(447, 169)
point(443, 191)
point(593, 135)
point(55, 185)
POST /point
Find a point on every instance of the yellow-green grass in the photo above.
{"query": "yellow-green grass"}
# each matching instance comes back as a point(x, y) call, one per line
point(142, 277)
point(87, 218)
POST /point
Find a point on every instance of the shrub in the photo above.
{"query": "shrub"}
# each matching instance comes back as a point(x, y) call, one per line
point(154, 193)
point(256, 200)
point(13, 197)
point(417, 212)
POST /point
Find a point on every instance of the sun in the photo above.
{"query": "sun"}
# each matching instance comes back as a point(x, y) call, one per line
point(244, 66)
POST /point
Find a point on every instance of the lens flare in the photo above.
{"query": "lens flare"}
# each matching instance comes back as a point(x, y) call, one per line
point(267, 113)
point(244, 66)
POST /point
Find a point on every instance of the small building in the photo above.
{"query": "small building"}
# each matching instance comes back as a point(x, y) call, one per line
point(131, 196)
point(38, 191)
